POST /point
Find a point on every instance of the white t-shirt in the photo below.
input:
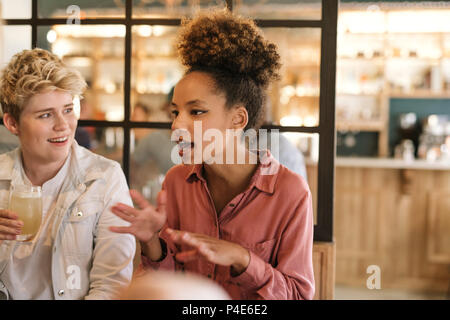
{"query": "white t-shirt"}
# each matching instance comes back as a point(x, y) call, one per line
point(28, 276)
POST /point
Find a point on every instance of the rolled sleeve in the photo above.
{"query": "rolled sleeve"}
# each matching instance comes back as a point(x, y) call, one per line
point(255, 274)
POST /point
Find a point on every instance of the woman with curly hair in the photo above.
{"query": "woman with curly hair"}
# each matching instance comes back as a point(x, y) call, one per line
point(73, 254)
point(248, 226)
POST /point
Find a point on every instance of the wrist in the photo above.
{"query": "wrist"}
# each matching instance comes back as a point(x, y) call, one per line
point(241, 263)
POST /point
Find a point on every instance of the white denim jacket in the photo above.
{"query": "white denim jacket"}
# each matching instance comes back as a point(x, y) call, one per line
point(82, 244)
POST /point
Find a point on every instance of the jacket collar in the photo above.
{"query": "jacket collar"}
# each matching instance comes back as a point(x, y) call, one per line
point(81, 170)
point(263, 179)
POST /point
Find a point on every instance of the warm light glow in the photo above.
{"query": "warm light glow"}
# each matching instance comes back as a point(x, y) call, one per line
point(61, 48)
point(145, 31)
point(310, 121)
point(51, 36)
point(86, 31)
point(158, 31)
point(294, 121)
point(372, 21)
point(110, 87)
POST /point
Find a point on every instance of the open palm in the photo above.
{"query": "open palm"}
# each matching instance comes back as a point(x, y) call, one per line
point(145, 221)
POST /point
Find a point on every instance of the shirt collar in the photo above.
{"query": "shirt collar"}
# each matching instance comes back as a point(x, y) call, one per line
point(263, 179)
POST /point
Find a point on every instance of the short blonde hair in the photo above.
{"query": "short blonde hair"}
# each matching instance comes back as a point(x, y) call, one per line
point(35, 71)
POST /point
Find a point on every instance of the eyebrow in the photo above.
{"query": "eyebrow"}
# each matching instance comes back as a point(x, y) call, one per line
point(50, 109)
point(192, 102)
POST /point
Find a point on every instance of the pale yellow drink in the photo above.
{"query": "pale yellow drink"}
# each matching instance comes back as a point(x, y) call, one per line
point(28, 206)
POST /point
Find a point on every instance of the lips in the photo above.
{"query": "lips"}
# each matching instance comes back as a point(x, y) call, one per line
point(58, 140)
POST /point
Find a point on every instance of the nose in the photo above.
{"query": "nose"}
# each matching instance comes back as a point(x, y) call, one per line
point(61, 123)
point(180, 122)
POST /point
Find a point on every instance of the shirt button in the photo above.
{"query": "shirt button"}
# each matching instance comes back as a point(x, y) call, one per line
point(61, 293)
point(232, 205)
point(79, 214)
point(209, 276)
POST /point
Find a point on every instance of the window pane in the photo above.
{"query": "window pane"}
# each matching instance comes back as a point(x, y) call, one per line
point(280, 9)
point(98, 53)
point(107, 142)
point(172, 9)
point(294, 100)
point(15, 39)
point(79, 9)
point(155, 71)
point(299, 152)
point(8, 141)
point(150, 159)
point(17, 9)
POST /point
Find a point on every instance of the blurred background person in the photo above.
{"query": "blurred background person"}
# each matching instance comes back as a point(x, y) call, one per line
point(165, 285)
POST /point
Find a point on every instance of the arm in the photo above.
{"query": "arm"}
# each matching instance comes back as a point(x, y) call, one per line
point(112, 263)
point(293, 276)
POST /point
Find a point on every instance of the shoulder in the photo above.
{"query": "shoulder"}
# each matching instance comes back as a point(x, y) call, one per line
point(178, 173)
point(290, 184)
point(7, 163)
point(94, 165)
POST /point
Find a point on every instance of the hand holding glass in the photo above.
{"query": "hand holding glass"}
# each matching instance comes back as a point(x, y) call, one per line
point(26, 202)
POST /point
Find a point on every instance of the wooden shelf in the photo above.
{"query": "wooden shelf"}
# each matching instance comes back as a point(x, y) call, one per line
point(416, 94)
point(362, 125)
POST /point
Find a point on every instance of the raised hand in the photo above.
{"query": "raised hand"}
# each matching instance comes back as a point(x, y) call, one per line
point(145, 221)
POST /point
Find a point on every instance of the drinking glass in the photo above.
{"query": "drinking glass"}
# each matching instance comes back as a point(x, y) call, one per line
point(26, 202)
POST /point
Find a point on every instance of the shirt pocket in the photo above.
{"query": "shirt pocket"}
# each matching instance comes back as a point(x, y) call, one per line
point(264, 249)
point(79, 228)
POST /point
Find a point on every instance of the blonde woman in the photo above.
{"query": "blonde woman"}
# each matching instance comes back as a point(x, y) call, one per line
point(73, 255)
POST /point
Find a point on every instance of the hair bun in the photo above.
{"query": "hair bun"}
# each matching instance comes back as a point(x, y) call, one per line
point(221, 40)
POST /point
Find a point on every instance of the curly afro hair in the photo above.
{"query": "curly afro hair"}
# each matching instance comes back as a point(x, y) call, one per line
point(233, 51)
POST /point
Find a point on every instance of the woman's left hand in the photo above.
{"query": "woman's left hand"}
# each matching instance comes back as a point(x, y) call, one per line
point(214, 250)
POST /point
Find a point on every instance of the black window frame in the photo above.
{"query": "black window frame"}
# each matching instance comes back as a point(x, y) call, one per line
point(323, 230)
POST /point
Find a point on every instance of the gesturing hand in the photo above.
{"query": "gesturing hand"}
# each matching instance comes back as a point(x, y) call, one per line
point(214, 250)
point(146, 221)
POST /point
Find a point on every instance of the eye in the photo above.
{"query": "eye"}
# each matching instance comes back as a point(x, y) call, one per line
point(44, 115)
point(196, 112)
point(174, 113)
point(68, 110)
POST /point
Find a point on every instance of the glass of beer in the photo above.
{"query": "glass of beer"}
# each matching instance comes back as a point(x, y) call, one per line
point(26, 202)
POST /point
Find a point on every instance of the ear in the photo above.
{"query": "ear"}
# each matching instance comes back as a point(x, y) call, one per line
point(11, 124)
point(240, 117)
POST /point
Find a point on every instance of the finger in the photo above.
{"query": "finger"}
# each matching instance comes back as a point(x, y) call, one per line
point(8, 214)
point(205, 252)
point(139, 199)
point(7, 237)
point(121, 230)
point(10, 231)
point(161, 200)
point(11, 223)
point(122, 215)
point(175, 235)
point(186, 256)
point(125, 209)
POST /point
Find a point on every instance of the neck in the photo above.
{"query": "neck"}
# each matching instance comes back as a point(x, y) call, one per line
point(38, 173)
point(234, 176)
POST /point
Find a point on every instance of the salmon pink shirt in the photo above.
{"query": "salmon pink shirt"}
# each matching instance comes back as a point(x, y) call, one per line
point(272, 218)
